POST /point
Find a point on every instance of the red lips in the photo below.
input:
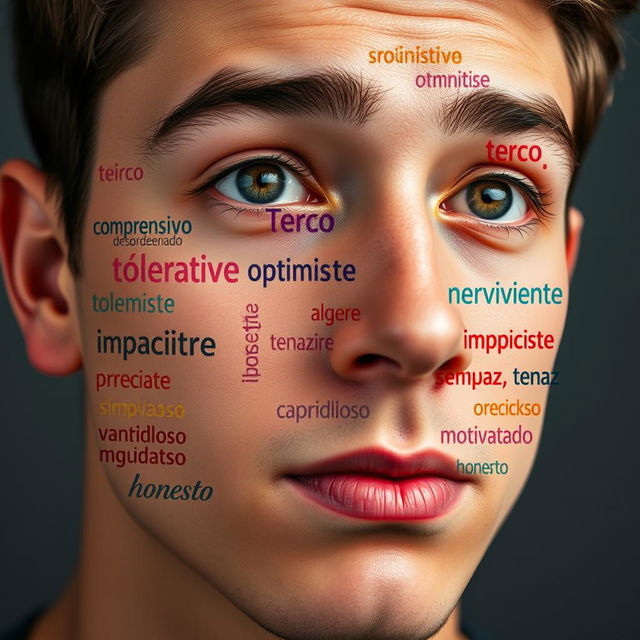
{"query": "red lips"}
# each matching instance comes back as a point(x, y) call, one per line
point(376, 484)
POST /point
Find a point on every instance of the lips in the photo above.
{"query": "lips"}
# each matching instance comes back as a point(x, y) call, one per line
point(376, 484)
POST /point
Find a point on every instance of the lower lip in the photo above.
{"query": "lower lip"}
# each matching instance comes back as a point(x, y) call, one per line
point(377, 498)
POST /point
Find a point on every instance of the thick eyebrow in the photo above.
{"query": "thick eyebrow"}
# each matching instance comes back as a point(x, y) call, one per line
point(495, 112)
point(333, 94)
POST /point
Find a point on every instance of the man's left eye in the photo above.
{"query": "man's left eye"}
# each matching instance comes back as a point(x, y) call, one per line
point(490, 200)
point(262, 183)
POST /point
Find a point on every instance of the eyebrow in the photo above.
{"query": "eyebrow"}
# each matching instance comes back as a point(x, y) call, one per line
point(495, 112)
point(333, 94)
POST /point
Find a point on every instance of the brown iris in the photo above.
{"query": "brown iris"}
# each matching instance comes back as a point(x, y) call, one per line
point(260, 182)
point(489, 199)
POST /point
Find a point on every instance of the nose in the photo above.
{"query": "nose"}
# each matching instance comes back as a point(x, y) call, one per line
point(408, 330)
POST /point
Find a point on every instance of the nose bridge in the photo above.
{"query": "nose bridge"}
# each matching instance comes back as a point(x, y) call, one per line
point(408, 329)
point(406, 264)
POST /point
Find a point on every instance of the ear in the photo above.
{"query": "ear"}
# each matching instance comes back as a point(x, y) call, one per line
point(38, 281)
point(574, 231)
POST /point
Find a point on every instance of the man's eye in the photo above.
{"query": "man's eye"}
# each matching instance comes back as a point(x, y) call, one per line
point(491, 200)
point(262, 183)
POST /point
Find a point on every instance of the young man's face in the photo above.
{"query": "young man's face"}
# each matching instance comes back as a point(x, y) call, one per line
point(383, 542)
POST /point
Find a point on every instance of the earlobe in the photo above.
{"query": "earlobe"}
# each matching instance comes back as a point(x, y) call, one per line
point(34, 265)
point(574, 231)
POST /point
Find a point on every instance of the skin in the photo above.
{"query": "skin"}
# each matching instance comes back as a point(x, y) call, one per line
point(258, 555)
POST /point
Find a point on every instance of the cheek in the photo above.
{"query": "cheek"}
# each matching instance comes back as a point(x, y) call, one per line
point(527, 373)
point(222, 417)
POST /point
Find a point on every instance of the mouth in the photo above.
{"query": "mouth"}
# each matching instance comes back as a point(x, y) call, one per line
point(376, 484)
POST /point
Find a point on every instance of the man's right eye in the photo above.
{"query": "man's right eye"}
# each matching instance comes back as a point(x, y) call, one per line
point(261, 182)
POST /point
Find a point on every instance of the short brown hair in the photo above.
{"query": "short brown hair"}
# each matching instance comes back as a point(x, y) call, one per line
point(67, 51)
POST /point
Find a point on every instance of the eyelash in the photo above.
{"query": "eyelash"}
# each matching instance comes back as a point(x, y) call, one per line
point(539, 200)
point(286, 160)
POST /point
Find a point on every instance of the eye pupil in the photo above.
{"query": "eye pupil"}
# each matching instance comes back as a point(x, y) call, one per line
point(489, 199)
point(260, 182)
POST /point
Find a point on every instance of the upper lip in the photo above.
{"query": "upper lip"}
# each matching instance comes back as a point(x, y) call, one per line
point(385, 463)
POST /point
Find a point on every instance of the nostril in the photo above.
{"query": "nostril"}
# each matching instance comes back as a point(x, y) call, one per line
point(367, 359)
point(371, 359)
point(452, 365)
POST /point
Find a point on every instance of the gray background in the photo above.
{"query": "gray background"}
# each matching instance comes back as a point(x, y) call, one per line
point(565, 565)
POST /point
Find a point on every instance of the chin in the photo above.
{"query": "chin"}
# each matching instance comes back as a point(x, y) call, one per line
point(375, 607)
point(332, 625)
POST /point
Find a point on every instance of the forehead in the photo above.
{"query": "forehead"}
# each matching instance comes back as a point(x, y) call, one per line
point(514, 42)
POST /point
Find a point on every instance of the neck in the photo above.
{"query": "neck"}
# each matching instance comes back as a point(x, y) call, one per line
point(128, 585)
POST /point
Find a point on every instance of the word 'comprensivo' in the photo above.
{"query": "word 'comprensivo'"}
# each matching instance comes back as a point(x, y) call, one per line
point(126, 228)
point(148, 435)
